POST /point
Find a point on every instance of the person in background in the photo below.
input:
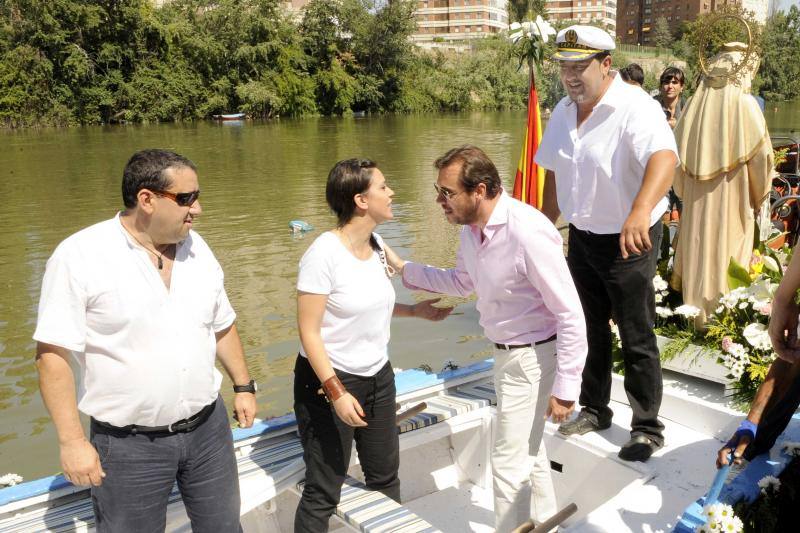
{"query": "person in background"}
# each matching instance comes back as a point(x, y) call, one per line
point(670, 87)
point(344, 384)
point(633, 74)
point(139, 301)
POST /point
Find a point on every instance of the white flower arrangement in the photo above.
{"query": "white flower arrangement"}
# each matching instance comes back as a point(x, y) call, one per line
point(664, 312)
point(720, 517)
point(758, 337)
point(9, 480)
point(792, 448)
point(769, 485)
point(687, 311)
point(539, 28)
point(659, 284)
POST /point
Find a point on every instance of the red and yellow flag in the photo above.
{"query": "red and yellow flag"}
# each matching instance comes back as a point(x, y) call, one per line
point(529, 181)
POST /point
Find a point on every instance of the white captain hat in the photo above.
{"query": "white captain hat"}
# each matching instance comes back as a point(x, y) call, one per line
point(578, 42)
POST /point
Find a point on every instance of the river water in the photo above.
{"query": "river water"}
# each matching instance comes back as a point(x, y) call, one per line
point(255, 177)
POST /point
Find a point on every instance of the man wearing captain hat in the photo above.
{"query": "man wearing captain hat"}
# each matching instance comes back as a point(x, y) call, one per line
point(610, 158)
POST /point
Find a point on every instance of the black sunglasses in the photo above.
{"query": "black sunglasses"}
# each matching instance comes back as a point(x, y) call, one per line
point(183, 199)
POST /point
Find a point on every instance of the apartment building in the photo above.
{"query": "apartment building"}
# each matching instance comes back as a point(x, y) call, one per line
point(636, 18)
point(602, 12)
point(440, 22)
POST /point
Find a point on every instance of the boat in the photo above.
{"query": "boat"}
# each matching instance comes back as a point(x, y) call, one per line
point(231, 116)
point(445, 471)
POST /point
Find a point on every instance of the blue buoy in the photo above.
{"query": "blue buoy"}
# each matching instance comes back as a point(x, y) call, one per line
point(300, 226)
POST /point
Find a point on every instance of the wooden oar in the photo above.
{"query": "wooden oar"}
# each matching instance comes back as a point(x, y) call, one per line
point(412, 411)
point(550, 523)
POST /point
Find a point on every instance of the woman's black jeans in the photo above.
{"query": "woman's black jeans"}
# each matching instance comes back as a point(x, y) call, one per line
point(327, 441)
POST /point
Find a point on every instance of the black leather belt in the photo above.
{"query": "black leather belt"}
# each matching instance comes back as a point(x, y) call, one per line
point(181, 426)
point(515, 346)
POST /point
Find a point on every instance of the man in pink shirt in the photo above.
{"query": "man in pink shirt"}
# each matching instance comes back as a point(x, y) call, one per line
point(511, 256)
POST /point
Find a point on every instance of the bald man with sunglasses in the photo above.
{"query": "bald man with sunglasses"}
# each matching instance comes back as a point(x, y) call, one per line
point(139, 302)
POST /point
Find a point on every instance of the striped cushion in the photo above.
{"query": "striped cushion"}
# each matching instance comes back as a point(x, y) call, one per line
point(440, 408)
point(481, 391)
point(374, 512)
point(74, 511)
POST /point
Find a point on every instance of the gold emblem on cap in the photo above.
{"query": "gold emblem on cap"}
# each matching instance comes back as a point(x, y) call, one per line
point(571, 37)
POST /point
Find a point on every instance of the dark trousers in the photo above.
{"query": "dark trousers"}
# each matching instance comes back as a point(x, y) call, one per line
point(141, 470)
point(622, 289)
point(327, 442)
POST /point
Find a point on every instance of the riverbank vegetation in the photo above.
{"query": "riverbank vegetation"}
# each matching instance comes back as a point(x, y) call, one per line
point(69, 62)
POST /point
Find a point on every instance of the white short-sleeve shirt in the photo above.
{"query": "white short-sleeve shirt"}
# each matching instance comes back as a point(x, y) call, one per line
point(599, 167)
point(355, 325)
point(146, 353)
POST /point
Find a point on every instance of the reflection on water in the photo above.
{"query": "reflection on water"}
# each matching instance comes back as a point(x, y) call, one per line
point(255, 177)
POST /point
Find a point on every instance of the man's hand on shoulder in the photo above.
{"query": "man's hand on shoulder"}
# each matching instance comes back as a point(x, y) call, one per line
point(635, 235)
point(81, 464)
point(244, 408)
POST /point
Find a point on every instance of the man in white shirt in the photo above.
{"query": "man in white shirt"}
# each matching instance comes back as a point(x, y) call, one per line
point(139, 302)
point(610, 156)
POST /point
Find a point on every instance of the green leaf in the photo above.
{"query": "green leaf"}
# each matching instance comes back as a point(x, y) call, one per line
point(738, 276)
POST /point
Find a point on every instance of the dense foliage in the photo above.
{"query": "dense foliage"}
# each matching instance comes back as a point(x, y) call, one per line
point(65, 62)
point(88, 62)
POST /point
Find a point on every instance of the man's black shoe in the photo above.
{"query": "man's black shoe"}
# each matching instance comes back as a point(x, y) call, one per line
point(581, 425)
point(639, 448)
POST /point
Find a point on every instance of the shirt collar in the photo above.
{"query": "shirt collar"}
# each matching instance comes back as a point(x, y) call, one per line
point(615, 95)
point(498, 217)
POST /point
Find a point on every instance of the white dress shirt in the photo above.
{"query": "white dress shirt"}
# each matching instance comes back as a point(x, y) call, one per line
point(599, 166)
point(146, 353)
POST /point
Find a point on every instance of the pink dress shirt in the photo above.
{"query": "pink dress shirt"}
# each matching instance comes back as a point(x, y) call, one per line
point(524, 288)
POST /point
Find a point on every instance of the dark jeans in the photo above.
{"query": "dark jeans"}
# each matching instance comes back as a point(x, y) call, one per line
point(622, 289)
point(327, 441)
point(141, 470)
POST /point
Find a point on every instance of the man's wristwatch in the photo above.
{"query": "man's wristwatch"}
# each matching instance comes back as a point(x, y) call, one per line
point(250, 387)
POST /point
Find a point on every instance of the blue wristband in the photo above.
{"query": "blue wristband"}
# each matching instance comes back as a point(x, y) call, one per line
point(745, 428)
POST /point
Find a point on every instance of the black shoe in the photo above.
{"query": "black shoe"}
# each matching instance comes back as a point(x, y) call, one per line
point(639, 448)
point(581, 425)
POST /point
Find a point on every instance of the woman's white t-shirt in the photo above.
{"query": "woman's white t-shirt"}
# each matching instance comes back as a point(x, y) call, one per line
point(355, 326)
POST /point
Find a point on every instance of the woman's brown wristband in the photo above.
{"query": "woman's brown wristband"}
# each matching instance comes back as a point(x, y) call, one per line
point(333, 388)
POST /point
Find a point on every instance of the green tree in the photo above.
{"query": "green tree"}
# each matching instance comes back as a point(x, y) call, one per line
point(662, 35)
point(779, 74)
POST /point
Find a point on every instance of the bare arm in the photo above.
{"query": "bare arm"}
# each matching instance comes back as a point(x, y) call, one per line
point(634, 237)
point(79, 460)
point(550, 198)
point(780, 376)
point(783, 321)
point(310, 310)
point(231, 354)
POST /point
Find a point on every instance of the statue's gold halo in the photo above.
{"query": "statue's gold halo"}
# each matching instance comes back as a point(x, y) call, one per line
point(708, 23)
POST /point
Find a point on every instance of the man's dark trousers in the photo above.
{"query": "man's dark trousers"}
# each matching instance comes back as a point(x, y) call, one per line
point(612, 287)
point(141, 470)
point(327, 441)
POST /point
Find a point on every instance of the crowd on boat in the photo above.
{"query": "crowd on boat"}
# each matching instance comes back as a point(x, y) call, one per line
point(140, 301)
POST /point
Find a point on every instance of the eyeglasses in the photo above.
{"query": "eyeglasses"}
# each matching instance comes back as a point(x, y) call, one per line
point(183, 199)
point(447, 194)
